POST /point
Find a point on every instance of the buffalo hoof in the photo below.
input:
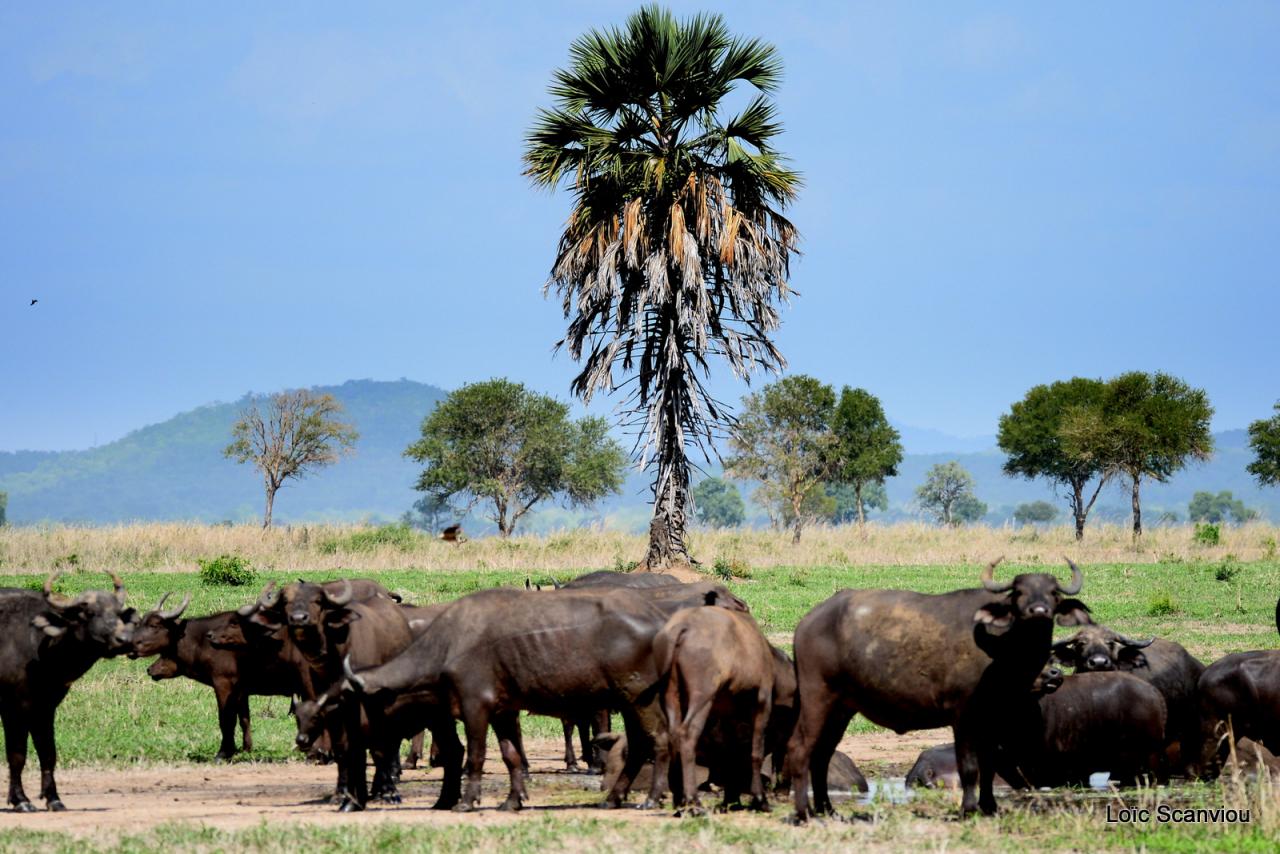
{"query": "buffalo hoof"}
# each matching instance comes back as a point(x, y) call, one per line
point(55, 805)
point(511, 805)
point(390, 798)
point(444, 804)
point(572, 768)
point(761, 805)
point(221, 757)
point(24, 806)
point(797, 819)
point(463, 806)
point(349, 805)
point(651, 804)
point(695, 811)
point(610, 804)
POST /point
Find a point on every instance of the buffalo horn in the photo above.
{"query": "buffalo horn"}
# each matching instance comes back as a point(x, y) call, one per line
point(1077, 579)
point(119, 588)
point(341, 598)
point(989, 578)
point(55, 598)
point(176, 612)
point(1135, 644)
point(270, 595)
point(247, 610)
point(355, 680)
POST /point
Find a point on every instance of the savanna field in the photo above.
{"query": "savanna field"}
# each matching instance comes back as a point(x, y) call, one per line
point(1213, 598)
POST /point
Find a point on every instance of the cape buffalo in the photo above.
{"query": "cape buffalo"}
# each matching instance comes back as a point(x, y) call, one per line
point(714, 661)
point(1241, 691)
point(50, 641)
point(910, 661)
point(1168, 666)
point(185, 649)
point(609, 578)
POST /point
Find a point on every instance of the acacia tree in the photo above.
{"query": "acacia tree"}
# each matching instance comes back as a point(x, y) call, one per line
point(718, 503)
point(1031, 435)
point(499, 443)
point(947, 494)
point(676, 249)
point(1264, 438)
point(1148, 425)
point(783, 439)
point(288, 436)
point(868, 449)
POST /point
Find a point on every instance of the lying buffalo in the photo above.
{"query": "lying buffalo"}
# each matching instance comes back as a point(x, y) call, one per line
point(916, 661)
point(1093, 722)
point(50, 641)
point(609, 578)
point(1167, 665)
point(185, 649)
point(714, 661)
point(495, 653)
point(1240, 694)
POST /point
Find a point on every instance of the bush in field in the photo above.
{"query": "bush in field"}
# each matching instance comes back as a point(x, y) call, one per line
point(226, 571)
point(1207, 534)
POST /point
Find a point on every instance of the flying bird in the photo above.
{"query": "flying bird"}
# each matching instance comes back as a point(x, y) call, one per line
point(33, 302)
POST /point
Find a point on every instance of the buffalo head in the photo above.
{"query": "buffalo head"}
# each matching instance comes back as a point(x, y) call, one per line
point(1097, 648)
point(157, 628)
point(1033, 596)
point(95, 617)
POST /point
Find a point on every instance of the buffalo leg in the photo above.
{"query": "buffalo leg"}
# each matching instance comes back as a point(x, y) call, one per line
point(475, 720)
point(810, 725)
point(347, 737)
point(570, 761)
point(47, 751)
point(15, 742)
point(517, 740)
point(445, 743)
point(764, 703)
point(683, 738)
point(507, 728)
point(820, 760)
point(599, 724)
point(651, 719)
point(639, 750)
point(227, 710)
point(246, 728)
point(415, 750)
point(967, 765)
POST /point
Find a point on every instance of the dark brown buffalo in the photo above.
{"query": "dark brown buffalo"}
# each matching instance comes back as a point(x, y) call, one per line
point(609, 578)
point(420, 618)
point(936, 768)
point(1240, 694)
point(498, 652)
point(915, 661)
point(185, 649)
point(50, 641)
point(1094, 722)
point(714, 661)
point(324, 627)
point(1167, 665)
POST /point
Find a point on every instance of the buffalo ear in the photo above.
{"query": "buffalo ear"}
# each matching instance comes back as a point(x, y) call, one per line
point(1063, 653)
point(341, 618)
point(261, 619)
point(997, 615)
point(710, 597)
point(41, 622)
point(1073, 612)
point(1131, 657)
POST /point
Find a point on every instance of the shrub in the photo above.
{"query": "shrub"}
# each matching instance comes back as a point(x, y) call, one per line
point(1227, 570)
point(620, 565)
point(226, 570)
point(1162, 606)
point(1207, 534)
point(728, 568)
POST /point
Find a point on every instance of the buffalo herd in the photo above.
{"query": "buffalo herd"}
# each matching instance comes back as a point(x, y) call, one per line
point(704, 697)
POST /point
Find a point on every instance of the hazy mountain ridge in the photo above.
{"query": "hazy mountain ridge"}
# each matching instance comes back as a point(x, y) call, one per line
point(175, 470)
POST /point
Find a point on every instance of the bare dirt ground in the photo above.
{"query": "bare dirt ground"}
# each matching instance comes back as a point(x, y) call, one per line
point(116, 801)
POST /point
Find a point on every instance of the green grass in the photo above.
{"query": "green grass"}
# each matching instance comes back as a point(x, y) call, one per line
point(117, 716)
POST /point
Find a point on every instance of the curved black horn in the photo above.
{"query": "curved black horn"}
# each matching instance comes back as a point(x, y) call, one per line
point(356, 681)
point(55, 598)
point(118, 585)
point(343, 597)
point(1135, 644)
point(989, 578)
point(270, 596)
point(176, 612)
point(1077, 579)
point(247, 610)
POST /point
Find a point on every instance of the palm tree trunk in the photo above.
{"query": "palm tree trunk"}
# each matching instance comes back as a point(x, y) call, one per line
point(671, 493)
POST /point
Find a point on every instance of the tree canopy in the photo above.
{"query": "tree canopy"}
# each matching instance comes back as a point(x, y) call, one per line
point(718, 503)
point(1035, 513)
point(783, 439)
point(676, 249)
point(1208, 507)
point(288, 436)
point(1264, 439)
point(868, 449)
point(499, 443)
point(947, 495)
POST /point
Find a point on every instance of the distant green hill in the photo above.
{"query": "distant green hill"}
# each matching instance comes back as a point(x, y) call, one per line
point(175, 471)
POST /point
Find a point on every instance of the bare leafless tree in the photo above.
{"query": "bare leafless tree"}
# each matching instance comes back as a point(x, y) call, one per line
point(289, 435)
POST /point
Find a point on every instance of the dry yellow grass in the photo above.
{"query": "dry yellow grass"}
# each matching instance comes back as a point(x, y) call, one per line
point(172, 547)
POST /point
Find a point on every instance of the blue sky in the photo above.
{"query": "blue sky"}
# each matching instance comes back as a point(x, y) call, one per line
point(208, 201)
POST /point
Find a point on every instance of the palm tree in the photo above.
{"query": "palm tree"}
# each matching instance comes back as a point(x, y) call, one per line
point(676, 248)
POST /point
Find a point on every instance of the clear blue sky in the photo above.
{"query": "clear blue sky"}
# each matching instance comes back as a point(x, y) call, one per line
point(208, 201)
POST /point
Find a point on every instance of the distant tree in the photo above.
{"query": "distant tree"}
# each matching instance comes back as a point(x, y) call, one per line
point(1148, 425)
point(874, 497)
point(1035, 513)
point(968, 509)
point(4, 507)
point(677, 249)
point(783, 439)
point(287, 436)
point(428, 513)
point(947, 494)
point(1031, 436)
point(496, 442)
point(867, 447)
point(1264, 438)
point(718, 503)
point(819, 506)
point(1207, 507)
